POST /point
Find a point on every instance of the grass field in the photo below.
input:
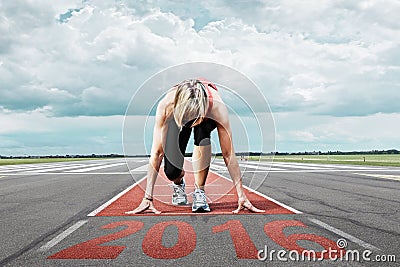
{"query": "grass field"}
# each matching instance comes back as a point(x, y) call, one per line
point(367, 159)
point(39, 160)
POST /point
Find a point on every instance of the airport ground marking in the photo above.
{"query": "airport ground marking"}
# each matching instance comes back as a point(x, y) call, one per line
point(240, 239)
point(382, 176)
point(343, 234)
point(248, 171)
point(152, 242)
point(264, 196)
point(58, 168)
point(222, 201)
point(187, 239)
point(91, 249)
point(98, 167)
point(275, 231)
point(327, 170)
point(63, 235)
point(112, 200)
point(36, 168)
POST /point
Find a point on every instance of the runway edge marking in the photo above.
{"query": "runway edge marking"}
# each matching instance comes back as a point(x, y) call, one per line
point(108, 203)
point(264, 196)
point(61, 236)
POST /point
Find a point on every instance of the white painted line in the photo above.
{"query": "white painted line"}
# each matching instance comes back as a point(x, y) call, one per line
point(188, 194)
point(187, 186)
point(305, 164)
point(143, 168)
point(336, 166)
point(74, 166)
point(61, 236)
point(329, 170)
point(108, 203)
point(382, 176)
point(24, 166)
point(98, 167)
point(260, 167)
point(218, 168)
point(345, 235)
point(307, 167)
point(248, 171)
point(7, 167)
point(219, 163)
point(66, 173)
point(313, 166)
point(264, 196)
point(28, 168)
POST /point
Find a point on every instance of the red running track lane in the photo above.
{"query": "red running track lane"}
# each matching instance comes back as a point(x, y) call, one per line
point(220, 191)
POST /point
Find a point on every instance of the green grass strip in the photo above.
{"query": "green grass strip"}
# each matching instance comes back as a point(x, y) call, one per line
point(364, 160)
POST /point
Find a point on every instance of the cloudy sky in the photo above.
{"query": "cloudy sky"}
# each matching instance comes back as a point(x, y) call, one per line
point(330, 70)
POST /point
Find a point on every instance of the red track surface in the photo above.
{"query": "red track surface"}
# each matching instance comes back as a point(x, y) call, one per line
point(218, 189)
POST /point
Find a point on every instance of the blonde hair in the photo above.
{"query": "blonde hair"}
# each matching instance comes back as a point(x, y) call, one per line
point(190, 103)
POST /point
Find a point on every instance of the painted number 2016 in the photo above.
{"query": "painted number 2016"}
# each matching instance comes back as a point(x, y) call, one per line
point(186, 243)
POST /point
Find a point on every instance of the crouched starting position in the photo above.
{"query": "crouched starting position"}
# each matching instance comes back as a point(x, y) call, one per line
point(192, 105)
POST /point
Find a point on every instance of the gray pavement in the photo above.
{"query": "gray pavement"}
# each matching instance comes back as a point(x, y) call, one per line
point(40, 202)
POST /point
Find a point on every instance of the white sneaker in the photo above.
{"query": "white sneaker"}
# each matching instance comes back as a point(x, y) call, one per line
point(200, 201)
point(179, 196)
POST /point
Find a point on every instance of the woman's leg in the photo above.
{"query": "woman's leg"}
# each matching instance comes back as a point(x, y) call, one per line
point(174, 156)
point(201, 164)
point(174, 151)
point(202, 151)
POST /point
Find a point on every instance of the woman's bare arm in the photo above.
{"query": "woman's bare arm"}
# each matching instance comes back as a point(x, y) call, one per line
point(228, 153)
point(156, 157)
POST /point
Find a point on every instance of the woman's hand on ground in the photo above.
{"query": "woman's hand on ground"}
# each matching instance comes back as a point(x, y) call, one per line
point(145, 205)
point(245, 204)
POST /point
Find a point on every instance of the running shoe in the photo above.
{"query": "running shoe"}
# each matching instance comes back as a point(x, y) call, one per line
point(179, 196)
point(200, 201)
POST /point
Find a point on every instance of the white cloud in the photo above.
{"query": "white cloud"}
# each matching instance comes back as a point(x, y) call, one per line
point(283, 47)
point(303, 132)
point(34, 133)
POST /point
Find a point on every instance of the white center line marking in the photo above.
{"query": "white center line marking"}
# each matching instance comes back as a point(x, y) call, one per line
point(345, 235)
point(61, 236)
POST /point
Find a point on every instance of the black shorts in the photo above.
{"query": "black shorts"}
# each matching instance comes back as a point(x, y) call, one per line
point(176, 143)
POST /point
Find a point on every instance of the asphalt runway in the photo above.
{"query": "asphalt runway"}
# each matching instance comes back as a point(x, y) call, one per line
point(71, 214)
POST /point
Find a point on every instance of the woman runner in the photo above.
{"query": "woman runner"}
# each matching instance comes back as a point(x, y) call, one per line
point(196, 105)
